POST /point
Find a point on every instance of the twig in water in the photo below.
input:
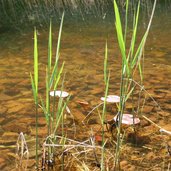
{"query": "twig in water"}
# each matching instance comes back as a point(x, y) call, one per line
point(161, 129)
point(91, 111)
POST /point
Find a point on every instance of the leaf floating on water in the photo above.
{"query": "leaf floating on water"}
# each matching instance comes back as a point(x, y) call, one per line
point(82, 102)
point(128, 119)
point(111, 99)
point(58, 93)
point(98, 138)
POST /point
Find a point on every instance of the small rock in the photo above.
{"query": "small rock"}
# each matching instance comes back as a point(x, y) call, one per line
point(15, 107)
point(147, 109)
point(3, 110)
point(10, 135)
point(167, 107)
point(32, 153)
point(144, 123)
point(123, 163)
point(2, 163)
point(164, 114)
point(5, 97)
point(18, 127)
point(1, 120)
point(32, 121)
point(29, 163)
point(150, 156)
point(1, 130)
point(42, 132)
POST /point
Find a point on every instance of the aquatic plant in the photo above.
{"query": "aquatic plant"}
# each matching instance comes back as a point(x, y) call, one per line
point(131, 61)
point(103, 118)
point(53, 75)
point(34, 83)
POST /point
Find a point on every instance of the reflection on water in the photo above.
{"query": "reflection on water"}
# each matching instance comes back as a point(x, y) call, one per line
point(82, 48)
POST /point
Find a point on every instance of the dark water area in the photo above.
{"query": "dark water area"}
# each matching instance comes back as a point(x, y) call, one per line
point(82, 49)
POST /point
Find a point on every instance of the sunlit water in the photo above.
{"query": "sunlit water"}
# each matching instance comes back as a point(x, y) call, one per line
point(82, 49)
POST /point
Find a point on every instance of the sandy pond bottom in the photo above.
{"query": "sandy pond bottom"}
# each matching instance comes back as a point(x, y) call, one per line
point(83, 50)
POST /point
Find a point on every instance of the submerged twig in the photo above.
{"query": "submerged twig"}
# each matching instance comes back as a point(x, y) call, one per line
point(91, 111)
point(161, 129)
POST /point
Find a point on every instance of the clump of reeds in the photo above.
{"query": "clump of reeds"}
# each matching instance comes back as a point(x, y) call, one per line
point(131, 63)
point(53, 74)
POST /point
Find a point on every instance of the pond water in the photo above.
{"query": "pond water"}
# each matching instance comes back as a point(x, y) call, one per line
point(82, 49)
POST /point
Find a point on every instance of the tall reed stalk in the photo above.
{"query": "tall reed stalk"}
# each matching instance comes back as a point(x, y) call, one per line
point(131, 61)
point(103, 118)
point(34, 83)
point(53, 75)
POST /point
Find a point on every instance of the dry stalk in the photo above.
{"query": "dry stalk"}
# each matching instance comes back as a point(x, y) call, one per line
point(22, 151)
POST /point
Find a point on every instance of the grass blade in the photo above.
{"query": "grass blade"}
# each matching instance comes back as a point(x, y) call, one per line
point(58, 76)
point(50, 48)
point(44, 110)
point(134, 31)
point(141, 46)
point(59, 38)
point(139, 51)
point(33, 88)
point(120, 37)
point(35, 62)
point(105, 63)
point(126, 20)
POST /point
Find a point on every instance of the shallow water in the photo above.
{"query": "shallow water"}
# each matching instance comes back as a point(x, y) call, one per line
point(82, 49)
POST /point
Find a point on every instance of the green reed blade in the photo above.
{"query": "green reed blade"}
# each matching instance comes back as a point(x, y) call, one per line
point(50, 48)
point(58, 76)
point(55, 68)
point(138, 53)
point(129, 93)
point(126, 21)
point(120, 37)
point(33, 89)
point(106, 80)
point(136, 18)
point(105, 63)
point(142, 43)
point(35, 62)
point(59, 115)
point(53, 76)
point(60, 108)
point(103, 118)
point(48, 102)
point(140, 71)
point(44, 111)
point(59, 38)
